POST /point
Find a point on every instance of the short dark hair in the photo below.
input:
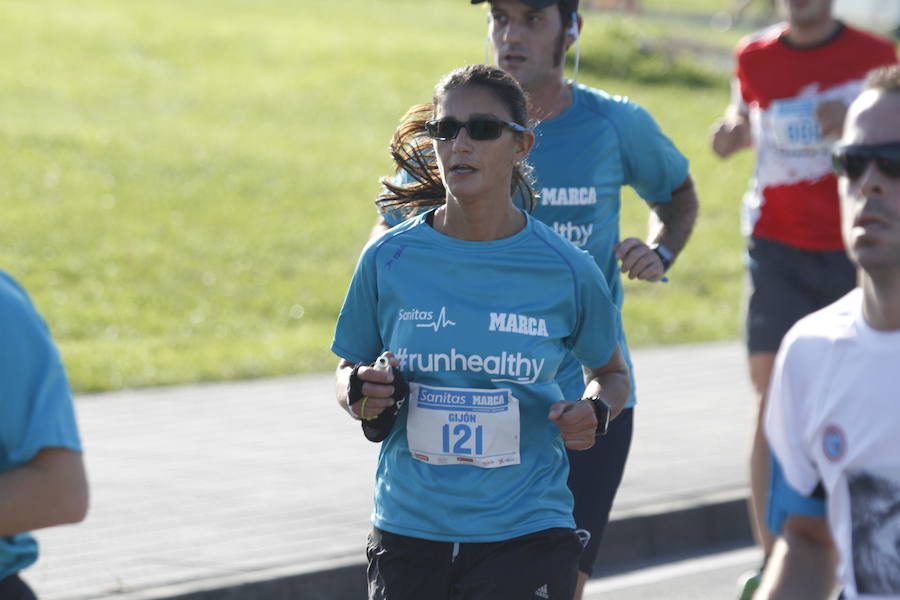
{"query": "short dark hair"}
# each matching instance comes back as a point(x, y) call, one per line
point(567, 9)
point(886, 79)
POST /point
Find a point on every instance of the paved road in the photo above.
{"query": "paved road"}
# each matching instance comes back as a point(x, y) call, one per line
point(710, 577)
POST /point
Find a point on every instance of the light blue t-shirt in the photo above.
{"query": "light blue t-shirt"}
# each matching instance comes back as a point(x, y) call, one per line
point(478, 327)
point(36, 409)
point(581, 160)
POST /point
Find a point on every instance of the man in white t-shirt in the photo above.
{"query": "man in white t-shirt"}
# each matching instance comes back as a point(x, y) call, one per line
point(833, 419)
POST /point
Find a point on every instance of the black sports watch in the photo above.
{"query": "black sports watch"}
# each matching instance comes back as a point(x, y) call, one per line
point(601, 409)
point(665, 254)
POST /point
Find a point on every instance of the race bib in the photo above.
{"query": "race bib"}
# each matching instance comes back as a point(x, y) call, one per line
point(451, 426)
point(795, 127)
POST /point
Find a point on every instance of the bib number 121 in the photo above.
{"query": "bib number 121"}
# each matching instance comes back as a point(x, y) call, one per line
point(461, 438)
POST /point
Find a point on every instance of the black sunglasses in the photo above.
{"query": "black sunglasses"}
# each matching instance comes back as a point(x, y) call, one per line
point(851, 160)
point(479, 128)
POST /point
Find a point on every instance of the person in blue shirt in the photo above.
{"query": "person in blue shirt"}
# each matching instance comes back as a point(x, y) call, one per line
point(42, 478)
point(476, 304)
point(589, 144)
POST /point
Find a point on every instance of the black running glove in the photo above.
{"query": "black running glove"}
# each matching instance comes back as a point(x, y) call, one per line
point(376, 429)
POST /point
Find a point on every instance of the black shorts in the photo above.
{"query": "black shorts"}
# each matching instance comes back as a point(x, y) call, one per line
point(539, 565)
point(13, 588)
point(594, 478)
point(786, 284)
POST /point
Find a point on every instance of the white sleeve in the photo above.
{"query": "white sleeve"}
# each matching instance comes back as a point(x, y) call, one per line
point(785, 419)
point(737, 97)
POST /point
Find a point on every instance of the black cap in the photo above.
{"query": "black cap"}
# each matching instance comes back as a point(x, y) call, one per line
point(568, 5)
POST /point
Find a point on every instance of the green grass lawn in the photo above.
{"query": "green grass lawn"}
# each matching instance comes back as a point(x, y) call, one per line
point(187, 184)
point(755, 8)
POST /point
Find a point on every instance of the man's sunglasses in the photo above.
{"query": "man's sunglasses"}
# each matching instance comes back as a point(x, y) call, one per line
point(851, 160)
point(479, 128)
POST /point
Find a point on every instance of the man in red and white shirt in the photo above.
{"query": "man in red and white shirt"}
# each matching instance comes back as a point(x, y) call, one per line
point(792, 87)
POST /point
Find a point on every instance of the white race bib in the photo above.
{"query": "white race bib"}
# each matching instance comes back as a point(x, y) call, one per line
point(451, 426)
point(795, 127)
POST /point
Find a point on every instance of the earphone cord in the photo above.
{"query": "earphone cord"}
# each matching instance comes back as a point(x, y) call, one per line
point(577, 60)
point(577, 46)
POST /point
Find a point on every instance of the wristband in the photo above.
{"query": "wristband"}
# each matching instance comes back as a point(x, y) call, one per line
point(601, 410)
point(665, 254)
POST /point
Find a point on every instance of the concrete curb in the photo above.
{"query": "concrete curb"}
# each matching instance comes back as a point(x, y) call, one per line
point(681, 529)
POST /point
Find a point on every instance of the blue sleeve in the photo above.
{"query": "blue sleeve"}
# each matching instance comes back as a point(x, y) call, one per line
point(357, 336)
point(594, 339)
point(391, 216)
point(653, 165)
point(36, 408)
point(785, 501)
point(394, 216)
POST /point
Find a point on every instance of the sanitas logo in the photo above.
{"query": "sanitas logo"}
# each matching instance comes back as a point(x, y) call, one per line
point(514, 368)
point(416, 315)
point(513, 323)
point(428, 316)
point(573, 196)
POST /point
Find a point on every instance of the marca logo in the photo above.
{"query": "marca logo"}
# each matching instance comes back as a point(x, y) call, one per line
point(573, 196)
point(514, 368)
point(426, 318)
point(513, 323)
point(577, 234)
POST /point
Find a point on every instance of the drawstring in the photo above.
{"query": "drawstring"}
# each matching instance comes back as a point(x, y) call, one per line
point(455, 551)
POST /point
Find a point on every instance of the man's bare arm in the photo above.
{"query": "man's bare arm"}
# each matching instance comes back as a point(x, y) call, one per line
point(671, 224)
point(803, 562)
point(49, 490)
point(731, 133)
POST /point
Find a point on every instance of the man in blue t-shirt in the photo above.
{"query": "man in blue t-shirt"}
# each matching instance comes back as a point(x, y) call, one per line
point(588, 145)
point(42, 477)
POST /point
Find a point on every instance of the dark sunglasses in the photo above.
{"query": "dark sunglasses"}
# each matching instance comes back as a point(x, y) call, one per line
point(479, 128)
point(851, 160)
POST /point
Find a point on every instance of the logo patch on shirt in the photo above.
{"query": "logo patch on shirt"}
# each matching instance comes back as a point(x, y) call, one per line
point(573, 196)
point(426, 318)
point(575, 233)
point(515, 323)
point(395, 257)
point(584, 536)
point(834, 443)
point(506, 366)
